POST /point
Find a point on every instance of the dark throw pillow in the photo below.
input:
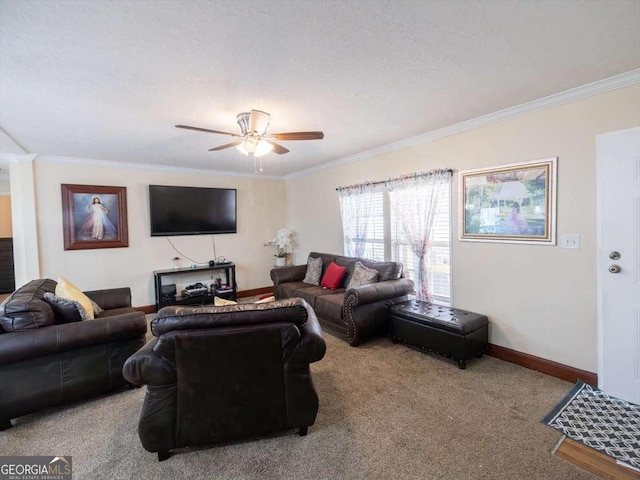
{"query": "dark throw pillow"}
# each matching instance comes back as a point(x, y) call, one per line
point(65, 311)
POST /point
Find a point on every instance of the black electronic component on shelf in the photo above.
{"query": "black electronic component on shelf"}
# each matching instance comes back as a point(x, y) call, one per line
point(195, 290)
point(169, 292)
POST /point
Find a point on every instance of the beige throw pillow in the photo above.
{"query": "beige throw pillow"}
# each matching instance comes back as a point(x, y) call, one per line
point(314, 271)
point(221, 302)
point(68, 290)
point(362, 276)
point(97, 309)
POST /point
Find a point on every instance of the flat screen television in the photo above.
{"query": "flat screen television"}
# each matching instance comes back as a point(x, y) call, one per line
point(192, 210)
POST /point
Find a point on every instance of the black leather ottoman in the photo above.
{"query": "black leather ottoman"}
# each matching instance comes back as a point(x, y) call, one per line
point(451, 332)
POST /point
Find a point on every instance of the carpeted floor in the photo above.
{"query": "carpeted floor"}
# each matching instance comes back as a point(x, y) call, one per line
point(386, 412)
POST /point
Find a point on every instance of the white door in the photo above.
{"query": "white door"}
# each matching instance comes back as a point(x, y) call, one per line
point(618, 181)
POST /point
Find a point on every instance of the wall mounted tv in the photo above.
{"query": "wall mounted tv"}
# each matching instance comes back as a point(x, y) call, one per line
point(192, 210)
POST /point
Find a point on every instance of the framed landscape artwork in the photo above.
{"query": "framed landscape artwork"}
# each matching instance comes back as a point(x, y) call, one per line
point(94, 217)
point(513, 203)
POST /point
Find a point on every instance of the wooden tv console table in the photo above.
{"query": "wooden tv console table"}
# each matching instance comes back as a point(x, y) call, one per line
point(230, 276)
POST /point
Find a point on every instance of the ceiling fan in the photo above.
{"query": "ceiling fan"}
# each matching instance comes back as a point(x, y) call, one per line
point(254, 138)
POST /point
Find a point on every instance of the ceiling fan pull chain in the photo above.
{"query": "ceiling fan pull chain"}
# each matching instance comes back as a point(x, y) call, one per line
point(257, 168)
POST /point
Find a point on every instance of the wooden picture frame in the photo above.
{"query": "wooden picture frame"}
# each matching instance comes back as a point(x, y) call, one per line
point(513, 203)
point(94, 216)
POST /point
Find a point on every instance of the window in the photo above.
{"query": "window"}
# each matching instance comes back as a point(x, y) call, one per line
point(438, 268)
point(385, 239)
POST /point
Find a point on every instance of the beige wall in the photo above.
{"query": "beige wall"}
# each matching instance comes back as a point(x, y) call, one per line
point(540, 299)
point(261, 212)
point(5, 216)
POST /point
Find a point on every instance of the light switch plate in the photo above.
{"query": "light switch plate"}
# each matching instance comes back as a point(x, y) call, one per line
point(570, 240)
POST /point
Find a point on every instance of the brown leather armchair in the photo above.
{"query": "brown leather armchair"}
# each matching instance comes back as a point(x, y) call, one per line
point(44, 362)
point(223, 373)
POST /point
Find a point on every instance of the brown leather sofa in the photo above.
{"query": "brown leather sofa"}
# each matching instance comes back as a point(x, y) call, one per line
point(357, 313)
point(224, 373)
point(45, 363)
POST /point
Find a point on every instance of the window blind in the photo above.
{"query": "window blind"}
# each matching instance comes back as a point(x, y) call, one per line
point(374, 238)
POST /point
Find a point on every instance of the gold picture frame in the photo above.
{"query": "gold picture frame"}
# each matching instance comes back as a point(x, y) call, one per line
point(513, 203)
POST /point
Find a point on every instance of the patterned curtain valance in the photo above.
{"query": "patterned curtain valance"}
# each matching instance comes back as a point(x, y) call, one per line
point(403, 180)
point(418, 178)
point(356, 189)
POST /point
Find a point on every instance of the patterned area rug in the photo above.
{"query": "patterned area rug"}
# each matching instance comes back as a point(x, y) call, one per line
point(593, 418)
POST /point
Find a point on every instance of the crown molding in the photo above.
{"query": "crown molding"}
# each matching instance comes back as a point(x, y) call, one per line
point(148, 166)
point(27, 157)
point(595, 88)
point(8, 158)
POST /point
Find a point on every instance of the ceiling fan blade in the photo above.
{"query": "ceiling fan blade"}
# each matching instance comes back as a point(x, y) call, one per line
point(298, 136)
point(227, 145)
point(198, 129)
point(279, 149)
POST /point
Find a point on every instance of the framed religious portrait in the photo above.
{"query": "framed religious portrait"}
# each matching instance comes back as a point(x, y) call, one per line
point(513, 203)
point(94, 216)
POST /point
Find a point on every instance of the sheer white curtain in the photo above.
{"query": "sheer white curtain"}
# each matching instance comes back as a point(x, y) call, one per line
point(415, 201)
point(357, 211)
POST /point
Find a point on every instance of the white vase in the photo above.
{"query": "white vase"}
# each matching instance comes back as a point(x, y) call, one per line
point(279, 261)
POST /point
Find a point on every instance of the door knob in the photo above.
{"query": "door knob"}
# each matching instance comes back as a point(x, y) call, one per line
point(614, 269)
point(614, 255)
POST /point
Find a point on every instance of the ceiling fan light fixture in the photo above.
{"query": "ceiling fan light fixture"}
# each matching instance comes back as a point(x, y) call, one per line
point(262, 148)
point(248, 146)
point(256, 146)
point(242, 150)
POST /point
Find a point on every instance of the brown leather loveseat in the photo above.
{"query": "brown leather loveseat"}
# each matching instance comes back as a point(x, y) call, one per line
point(224, 373)
point(357, 313)
point(44, 362)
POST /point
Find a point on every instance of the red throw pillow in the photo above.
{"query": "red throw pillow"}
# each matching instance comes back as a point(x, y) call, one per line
point(333, 276)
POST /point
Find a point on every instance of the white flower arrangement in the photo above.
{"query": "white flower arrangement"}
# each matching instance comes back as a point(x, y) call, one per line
point(283, 241)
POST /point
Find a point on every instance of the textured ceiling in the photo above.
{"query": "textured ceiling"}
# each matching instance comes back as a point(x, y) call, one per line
point(108, 79)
